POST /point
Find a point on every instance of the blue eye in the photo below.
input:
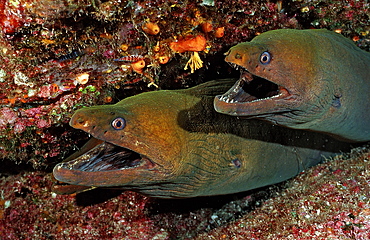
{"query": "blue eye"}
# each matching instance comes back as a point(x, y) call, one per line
point(118, 123)
point(265, 58)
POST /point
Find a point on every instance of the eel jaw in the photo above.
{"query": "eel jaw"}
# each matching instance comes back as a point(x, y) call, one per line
point(251, 95)
point(101, 165)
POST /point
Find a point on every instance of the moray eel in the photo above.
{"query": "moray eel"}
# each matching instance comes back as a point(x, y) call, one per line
point(302, 79)
point(173, 144)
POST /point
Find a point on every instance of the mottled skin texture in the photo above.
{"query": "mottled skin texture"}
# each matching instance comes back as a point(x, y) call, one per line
point(322, 82)
point(187, 149)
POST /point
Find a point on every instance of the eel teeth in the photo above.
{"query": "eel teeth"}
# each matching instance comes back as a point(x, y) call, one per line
point(251, 88)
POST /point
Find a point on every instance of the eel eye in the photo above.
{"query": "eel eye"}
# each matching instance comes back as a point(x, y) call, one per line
point(118, 123)
point(265, 58)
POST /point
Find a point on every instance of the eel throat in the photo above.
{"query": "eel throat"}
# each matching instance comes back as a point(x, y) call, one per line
point(250, 89)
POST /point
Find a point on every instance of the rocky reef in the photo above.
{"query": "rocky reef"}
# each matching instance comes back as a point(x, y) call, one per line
point(59, 56)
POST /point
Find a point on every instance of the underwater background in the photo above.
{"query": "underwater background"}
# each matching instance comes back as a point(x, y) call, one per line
point(59, 56)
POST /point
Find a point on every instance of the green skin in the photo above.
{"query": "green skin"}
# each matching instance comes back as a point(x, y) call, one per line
point(322, 79)
point(186, 148)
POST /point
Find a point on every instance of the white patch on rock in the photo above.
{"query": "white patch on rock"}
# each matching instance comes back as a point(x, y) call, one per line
point(21, 79)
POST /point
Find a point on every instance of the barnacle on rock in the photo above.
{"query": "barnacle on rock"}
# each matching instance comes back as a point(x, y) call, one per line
point(206, 27)
point(138, 66)
point(83, 78)
point(156, 48)
point(220, 32)
point(151, 28)
point(163, 59)
point(124, 47)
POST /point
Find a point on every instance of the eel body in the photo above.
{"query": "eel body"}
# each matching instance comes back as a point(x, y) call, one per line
point(302, 79)
point(173, 144)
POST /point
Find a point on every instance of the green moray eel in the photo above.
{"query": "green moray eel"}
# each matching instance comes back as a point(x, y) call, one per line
point(302, 79)
point(173, 144)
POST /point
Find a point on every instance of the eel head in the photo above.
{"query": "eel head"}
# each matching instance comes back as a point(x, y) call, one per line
point(275, 74)
point(138, 149)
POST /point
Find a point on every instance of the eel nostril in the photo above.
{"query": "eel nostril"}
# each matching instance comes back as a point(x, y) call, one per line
point(238, 56)
point(81, 121)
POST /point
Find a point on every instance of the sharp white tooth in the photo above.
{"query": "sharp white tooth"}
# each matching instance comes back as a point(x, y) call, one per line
point(232, 101)
point(275, 96)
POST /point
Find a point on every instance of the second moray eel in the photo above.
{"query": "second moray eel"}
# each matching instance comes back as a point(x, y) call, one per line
point(173, 144)
point(303, 79)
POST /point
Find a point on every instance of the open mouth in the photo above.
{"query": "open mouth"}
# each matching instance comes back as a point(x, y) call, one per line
point(251, 88)
point(103, 165)
point(107, 157)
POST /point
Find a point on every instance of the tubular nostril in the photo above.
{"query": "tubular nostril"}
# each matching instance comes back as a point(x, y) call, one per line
point(238, 56)
point(79, 121)
point(82, 122)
